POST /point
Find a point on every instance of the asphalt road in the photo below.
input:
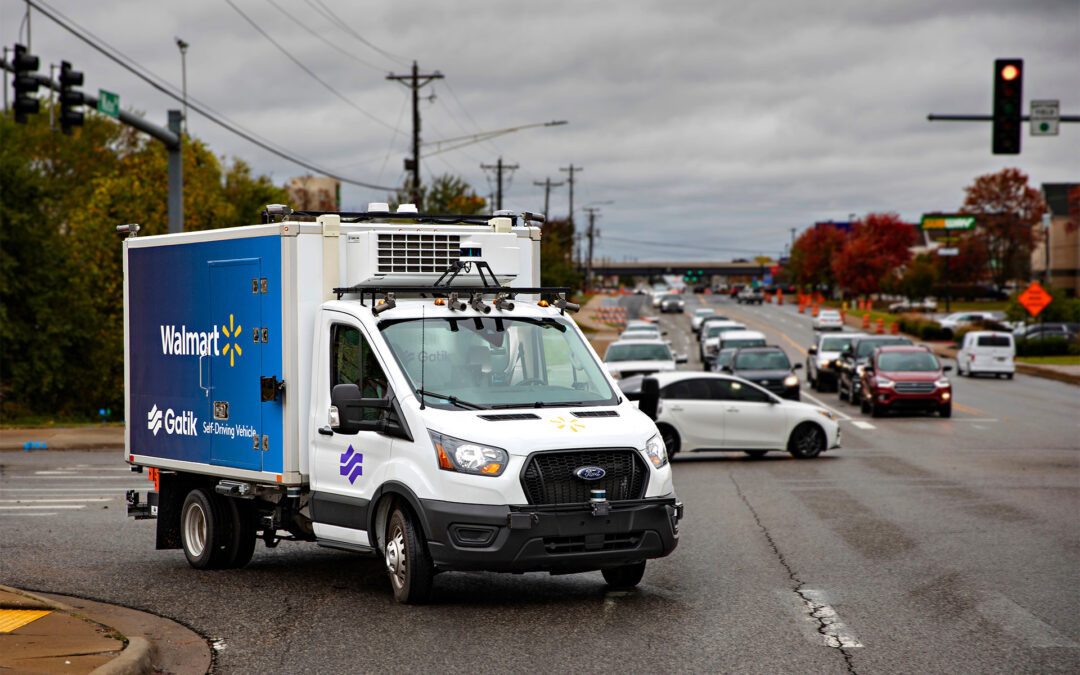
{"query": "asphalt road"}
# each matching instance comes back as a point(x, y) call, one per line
point(922, 545)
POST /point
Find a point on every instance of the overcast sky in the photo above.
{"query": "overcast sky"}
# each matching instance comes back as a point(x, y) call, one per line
point(712, 127)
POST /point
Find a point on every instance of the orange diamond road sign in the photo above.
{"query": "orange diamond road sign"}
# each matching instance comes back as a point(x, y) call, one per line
point(1035, 298)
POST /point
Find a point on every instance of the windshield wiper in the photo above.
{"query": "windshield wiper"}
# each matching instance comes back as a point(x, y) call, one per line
point(452, 399)
point(546, 404)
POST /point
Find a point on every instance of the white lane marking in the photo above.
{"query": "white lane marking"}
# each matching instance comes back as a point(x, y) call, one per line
point(1020, 624)
point(836, 411)
point(56, 500)
point(54, 473)
point(26, 515)
point(832, 628)
point(863, 425)
point(74, 492)
point(95, 468)
point(57, 506)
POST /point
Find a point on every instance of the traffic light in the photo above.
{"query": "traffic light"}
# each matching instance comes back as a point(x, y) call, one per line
point(25, 84)
point(69, 98)
point(1008, 101)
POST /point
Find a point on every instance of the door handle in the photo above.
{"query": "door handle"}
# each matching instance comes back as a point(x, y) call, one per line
point(206, 389)
point(326, 431)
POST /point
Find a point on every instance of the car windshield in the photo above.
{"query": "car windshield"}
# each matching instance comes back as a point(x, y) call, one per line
point(745, 342)
point(908, 362)
point(670, 296)
point(762, 361)
point(704, 312)
point(713, 331)
point(835, 344)
point(723, 358)
point(867, 347)
point(637, 352)
point(490, 362)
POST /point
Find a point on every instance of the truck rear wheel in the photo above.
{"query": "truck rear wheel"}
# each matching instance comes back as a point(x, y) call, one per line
point(205, 530)
point(624, 576)
point(241, 545)
point(407, 559)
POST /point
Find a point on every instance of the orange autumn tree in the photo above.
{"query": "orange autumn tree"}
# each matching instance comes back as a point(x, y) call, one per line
point(880, 245)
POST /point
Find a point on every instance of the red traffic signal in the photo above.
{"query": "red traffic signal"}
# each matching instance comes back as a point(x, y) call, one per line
point(1008, 102)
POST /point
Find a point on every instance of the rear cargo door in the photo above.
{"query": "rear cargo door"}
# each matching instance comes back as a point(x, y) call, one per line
point(235, 367)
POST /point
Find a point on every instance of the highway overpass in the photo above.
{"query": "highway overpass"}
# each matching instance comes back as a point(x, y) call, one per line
point(706, 269)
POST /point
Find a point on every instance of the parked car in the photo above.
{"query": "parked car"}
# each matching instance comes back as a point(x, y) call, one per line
point(827, 319)
point(672, 302)
point(906, 305)
point(853, 360)
point(636, 357)
point(768, 367)
point(905, 378)
point(750, 296)
point(986, 352)
point(1041, 331)
point(651, 332)
point(711, 411)
point(961, 319)
point(821, 357)
point(710, 339)
point(699, 317)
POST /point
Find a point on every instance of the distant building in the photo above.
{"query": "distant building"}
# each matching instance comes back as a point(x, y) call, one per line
point(314, 193)
point(1063, 254)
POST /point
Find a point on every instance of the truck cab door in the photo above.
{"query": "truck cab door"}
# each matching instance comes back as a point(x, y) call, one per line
point(346, 469)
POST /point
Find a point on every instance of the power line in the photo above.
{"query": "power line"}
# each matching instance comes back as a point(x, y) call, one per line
point(328, 13)
point(199, 108)
point(307, 70)
point(690, 247)
point(322, 39)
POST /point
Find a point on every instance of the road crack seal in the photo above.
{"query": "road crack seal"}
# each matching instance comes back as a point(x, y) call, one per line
point(830, 627)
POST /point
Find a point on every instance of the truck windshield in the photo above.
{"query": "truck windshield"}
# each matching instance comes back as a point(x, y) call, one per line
point(497, 362)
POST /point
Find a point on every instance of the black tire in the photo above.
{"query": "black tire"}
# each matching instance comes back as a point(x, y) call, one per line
point(624, 576)
point(864, 406)
point(755, 454)
point(878, 410)
point(205, 529)
point(241, 545)
point(946, 410)
point(407, 561)
point(807, 441)
point(1008, 376)
point(840, 390)
point(670, 438)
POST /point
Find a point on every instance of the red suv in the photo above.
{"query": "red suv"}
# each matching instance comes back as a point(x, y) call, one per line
point(905, 378)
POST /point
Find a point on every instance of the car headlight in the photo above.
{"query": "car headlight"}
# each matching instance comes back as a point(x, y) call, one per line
point(455, 454)
point(883, 381)
point(655, 451)
point(859, 370)
point(826, 413)
point(824, 363)
point(791, 381)
point(943, 382)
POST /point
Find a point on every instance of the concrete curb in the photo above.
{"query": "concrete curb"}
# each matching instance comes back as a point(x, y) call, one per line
point(136, 659)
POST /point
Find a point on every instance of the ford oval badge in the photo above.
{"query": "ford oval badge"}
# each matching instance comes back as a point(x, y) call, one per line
point(589, 473)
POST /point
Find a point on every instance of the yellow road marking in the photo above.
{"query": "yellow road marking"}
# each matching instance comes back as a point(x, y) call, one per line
point(11, 619)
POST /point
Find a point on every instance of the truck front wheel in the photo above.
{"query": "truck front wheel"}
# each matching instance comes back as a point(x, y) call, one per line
point(624, 576)
point(407, 559)
point(205, 530)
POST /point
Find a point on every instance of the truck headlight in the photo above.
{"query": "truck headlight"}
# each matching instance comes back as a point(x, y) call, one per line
point(791, 381)
point(455, 454)
point(655, 451)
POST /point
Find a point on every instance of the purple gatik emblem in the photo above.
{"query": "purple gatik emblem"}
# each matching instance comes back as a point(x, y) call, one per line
point(352, 464)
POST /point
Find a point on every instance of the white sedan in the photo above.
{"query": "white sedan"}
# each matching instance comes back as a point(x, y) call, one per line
point(828, 319)
point(712, 411)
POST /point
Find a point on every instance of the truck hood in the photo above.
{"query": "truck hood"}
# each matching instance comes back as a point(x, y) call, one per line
point(522, 431)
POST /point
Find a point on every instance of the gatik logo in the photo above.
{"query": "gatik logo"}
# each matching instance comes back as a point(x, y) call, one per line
point(177, 424)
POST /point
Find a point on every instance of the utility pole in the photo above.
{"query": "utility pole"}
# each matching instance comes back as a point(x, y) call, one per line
point(414, 81)
point(571, 169)
point(591, 234)
point(547, 193)
point(499, 167)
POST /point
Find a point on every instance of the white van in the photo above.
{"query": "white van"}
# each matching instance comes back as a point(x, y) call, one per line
point(984, 351)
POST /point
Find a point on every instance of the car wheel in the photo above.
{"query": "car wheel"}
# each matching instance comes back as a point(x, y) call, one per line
point(946, 410)
point(205, 529)
point(878, 410)
point(1008, 376)
point(670, 438)
point(755, 454)
point(864, 406)
point(807, 441)
point(407, 560)
point(624, 576)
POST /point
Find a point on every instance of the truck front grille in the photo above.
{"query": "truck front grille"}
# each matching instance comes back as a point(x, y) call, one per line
point(548, 477)
point(417, 253)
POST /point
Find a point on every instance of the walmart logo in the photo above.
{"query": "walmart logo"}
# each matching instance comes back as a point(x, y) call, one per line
point(232, 348)
point(572, 425)
point(153, 419)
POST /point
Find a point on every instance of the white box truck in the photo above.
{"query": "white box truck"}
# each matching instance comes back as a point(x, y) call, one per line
point(395, 384)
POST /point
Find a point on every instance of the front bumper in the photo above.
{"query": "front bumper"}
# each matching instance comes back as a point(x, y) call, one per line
point(928, 401)
point(559, 538)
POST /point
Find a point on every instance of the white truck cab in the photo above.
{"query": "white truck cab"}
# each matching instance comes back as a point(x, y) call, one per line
point(393, 384)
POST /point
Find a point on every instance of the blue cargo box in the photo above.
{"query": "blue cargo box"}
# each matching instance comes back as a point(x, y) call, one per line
point(203, 327)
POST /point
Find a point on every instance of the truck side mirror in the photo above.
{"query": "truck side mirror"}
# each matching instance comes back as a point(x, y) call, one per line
point(350, 406)
point(650, 397)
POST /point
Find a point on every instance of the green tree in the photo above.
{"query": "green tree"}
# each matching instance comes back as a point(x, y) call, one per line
point(556, 255)
point(919, 278)
point(444, 194)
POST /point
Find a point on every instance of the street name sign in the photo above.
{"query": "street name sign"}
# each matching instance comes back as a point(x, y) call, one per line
point(948, 251)
point(108, 103)
point(1045, 117)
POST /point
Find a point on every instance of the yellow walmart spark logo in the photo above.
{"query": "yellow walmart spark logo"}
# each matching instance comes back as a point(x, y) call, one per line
point(232, 348)
point(572, 425)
